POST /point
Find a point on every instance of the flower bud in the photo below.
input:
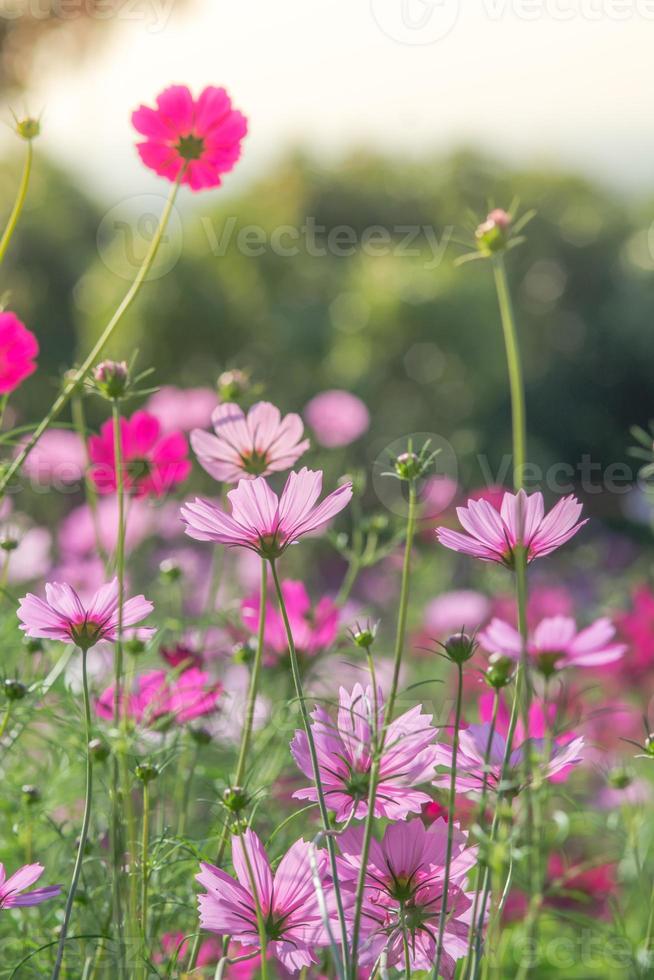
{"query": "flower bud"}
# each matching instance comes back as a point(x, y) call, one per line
point(201, 736)
point(407, 466)
point(620, 778)
point(134, 646)
point(649, 744)
point(112, 378)
point(28, 128)
point(170, 571)
point(14, 690)
point(499, 672)
point(30, 794)
point(9, 542)
point(492, 235)
point(235, 799)
point(32, 645)
point(460, 647)
point(243, 653)
point(232, 385)
point(364, 636)
point(99, 750)
point(146, 772)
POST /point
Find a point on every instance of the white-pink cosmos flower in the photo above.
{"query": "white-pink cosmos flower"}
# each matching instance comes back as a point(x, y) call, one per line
point(246, 446)
point(262, 521)
point(521, 522)
point(64, 616)
point(555, 643)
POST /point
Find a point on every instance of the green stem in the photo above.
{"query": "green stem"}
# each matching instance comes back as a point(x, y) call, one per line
point(516, 383)
point(261, 922)
point(145, 838)
point(450, 823)
point(306, 722)
point(79, 421)
point(78, 376)
point(400, 636)
point(18, 203)
point(5, 719)
point(405, 945)
point(85, 824)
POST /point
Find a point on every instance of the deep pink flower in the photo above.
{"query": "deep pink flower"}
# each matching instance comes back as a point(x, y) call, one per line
point(153, 463)
point(245, 446)
point(344, 748)
point(158, 696)
point(202, 134)
point(570, 888)
point(260, 520)
point(521, 521)
point(176, 947)
point(182, 408)
point(63, 616)
point(11, 888)
point(405, 885)
point(18, 351)
point(288, 901)
point(313, 630)
point(472, 751)
point(337, 418)
point(637, 627)
point(555, 643)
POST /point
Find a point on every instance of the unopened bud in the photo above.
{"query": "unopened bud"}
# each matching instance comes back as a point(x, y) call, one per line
point(169, 570)
point(99, 750)
point(620, 778)
point(30, 794)
point(14, 690)
point(235, 799)
point(28, 128)
point(499, 671)
point(460, 647)
point(112, 378)
point(492, 235)
point(232, 385)
point(146, 772)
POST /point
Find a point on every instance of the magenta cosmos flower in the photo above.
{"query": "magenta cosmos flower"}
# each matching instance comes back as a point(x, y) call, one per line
point(473, 744)
point(337, 418)
point(256, 444)
point(63, 616)
point(288, 901)
point(203, 135)
point(520, 522)
point(313, 630)
point(19, 349)
point(153, 463)
point(260, 520)
point(159, 697)
point(344, 748)
point(555, 643)
point(11, 888)
point(403, 893)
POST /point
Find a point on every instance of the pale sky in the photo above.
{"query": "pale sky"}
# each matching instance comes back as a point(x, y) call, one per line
point(562, 82)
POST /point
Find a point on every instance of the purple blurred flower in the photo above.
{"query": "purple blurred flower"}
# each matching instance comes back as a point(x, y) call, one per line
point(337, 418)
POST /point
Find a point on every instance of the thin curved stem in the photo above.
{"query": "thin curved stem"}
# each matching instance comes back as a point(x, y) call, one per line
point(145, 839)
point(400, 636)
point(78, 376)
point(81, 847)
point(306, 722)
point(18, 203)
point(450, 823)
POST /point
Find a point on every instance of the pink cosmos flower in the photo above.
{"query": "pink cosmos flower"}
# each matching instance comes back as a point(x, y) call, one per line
point(203, 135)
point(154, 463)
point(11, 888)
point(313, 630)
point(245, 446)
point(337, 418)
point(182, 408)
point(260, 520)
point(404, 889)
point(344, 749)
point(288, 900)
point(158, 696)
point(18, 351)
point(637, 627)
point(63, 616)
point(521, 522)
point(555, 643)
point(58, 458)
point(454, 611)
point(473, 743)
point(77, 531)
point(570, 888)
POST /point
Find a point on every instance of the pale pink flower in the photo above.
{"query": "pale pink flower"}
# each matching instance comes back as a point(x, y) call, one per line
point(204, 135)
point(63, 616)
point(260, 520)
point(183, 409)
point(337, 418)
point(405, 883)
point(58, 458)
point(11, 888)
point(256, 444)
point(288, 900)
point(158, 696)
point(19, 349)
point(77, 531)
point(455, 611)
point(520, 522)
point(313, 630)
point(31, 559)
point(153, 463)
point(555, 643)
point(345, 749)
